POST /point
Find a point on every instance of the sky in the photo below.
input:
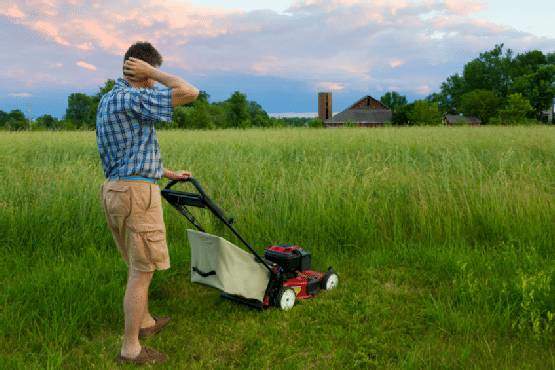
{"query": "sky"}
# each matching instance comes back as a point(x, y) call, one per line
point(280, 53)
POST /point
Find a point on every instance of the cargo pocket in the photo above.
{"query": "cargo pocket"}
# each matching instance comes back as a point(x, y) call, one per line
point(157, 248)
point(117, 200)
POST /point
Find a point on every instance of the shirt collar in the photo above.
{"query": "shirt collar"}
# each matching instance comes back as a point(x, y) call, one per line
point(121, 82)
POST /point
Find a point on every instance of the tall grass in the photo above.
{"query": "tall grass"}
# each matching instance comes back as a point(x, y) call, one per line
point(443, 238)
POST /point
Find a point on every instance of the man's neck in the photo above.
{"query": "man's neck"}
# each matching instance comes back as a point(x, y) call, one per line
point(137, 85)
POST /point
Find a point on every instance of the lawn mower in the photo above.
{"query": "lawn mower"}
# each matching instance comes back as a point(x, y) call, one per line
point(278, 279)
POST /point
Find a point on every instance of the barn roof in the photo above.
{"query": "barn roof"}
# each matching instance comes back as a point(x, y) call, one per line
point(362, 116)
point(367, 102)
point(460, 119)
point(366, 110)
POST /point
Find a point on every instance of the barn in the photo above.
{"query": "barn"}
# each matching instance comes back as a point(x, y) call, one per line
point(366, 112)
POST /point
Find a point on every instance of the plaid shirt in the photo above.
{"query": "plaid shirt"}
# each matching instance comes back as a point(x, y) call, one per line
point(125, 132)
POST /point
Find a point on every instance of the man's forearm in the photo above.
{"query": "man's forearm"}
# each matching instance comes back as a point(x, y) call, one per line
point(172, 81)
point(179, 176)
point(168, 173)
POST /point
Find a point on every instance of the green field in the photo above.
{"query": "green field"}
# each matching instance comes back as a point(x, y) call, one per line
point(443, 239)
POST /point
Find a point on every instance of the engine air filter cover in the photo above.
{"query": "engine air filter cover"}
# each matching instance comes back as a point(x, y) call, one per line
point(289, 257)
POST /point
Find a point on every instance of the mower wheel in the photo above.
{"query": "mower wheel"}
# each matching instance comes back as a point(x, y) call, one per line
point(286, 298)
point(330, 280)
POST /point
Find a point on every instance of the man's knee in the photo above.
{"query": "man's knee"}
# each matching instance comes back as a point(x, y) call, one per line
point(140, 276)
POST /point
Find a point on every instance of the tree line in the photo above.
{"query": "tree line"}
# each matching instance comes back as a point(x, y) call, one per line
point(235, 112)
point(498, 87)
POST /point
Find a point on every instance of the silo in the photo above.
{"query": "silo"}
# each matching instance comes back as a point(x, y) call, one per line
point(324, 106)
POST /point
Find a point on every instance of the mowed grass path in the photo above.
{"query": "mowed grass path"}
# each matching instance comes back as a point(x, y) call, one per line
point(443, 239)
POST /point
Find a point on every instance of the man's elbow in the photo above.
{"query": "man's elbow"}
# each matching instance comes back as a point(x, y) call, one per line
point(195, 93)
point(182, 96)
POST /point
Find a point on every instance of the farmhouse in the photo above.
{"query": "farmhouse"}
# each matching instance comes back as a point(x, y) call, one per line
point(365, 112)
point(459, 119)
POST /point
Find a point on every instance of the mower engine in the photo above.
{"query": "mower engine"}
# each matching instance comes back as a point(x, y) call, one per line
point(297, 280)
point(290, 258)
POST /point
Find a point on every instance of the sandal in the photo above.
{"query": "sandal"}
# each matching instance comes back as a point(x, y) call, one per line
point(160, 322)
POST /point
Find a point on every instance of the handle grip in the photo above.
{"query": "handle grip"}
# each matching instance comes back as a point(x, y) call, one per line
point(189, 179)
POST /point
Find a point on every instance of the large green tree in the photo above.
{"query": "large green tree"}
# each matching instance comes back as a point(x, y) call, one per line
point(538, 87)
point(200, 116)
point(526, 63)
point(47, 121)
point(401, 116)
point(16, 120)
point(258, 116)
point(237, 112)
point(490, 71)
point(3, 118)
point(393, 100)
point(516, 109)
point(81, 110)
point(449, 97)
point(424, 112)
point(480, 103)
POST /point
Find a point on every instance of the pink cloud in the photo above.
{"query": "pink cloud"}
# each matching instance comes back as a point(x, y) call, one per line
point(49, 30)
point(464, 7)
point(113, 26)
point(106, 36)
point(12, 11)
point(86, 65)
point(395, 63)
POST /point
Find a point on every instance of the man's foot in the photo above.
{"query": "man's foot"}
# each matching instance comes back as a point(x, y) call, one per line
point(160, 322)
point(146, 356)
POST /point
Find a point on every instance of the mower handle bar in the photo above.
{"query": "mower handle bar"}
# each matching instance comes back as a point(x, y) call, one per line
point(220, 214)
point(190, 179)
point(211, 205)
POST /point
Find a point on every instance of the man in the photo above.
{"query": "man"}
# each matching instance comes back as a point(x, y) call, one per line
point(130, 154)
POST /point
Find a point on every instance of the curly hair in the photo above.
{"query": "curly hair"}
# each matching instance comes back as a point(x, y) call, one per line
point(145, 51)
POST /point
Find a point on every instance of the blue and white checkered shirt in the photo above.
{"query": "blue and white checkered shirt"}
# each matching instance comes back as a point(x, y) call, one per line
point(125, 131)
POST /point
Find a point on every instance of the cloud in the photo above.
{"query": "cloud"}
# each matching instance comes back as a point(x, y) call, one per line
point(49, 30)
point(12, 11)
point(423, 89)
point(347, 45)
point(395, 62)
point(20, 95)
point(464, 7)
point(330, 86)
point(86, 65)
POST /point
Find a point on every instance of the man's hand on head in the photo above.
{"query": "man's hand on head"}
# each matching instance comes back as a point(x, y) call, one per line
point(177, 175)
point(138, 70)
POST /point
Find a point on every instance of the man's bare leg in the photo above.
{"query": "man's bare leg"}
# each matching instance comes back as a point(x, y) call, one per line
point(148, 320)
point(134, 303)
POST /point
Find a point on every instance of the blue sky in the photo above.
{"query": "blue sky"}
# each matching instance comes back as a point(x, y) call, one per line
point(281, 53)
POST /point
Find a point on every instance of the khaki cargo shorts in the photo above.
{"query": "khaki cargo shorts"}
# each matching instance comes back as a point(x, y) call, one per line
point(134, 213)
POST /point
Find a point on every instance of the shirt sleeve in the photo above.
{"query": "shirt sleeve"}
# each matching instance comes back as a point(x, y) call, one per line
point(152, 104)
